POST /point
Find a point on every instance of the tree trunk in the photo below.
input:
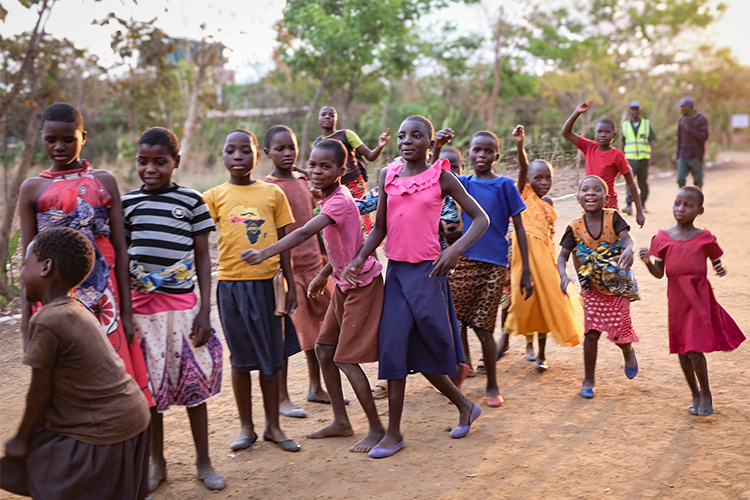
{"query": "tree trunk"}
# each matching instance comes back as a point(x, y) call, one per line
point(192, 118)
point(304, 145)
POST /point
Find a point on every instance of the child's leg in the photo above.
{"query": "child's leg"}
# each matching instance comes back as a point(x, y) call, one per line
point(698, 359)
point(340, 427)
point(270, 389)
point(628, 354)
point(198, 416)
point(590, 350)
point(503, 343)
point(241, 384)
point(313, 371)
point(285, 403)
point(530, 356)
point(687, 369)
point(396, 391)
point(157, 470)
point(449, 389)
point(465, 343)
point(361, 387)
point(489, 352)
point(541, 356)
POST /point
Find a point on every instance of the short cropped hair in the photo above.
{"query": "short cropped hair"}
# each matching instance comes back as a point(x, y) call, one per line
point(160, 136)
point(424, 121)
point(273, 132)
point(70, 250)
point(606, 188)
point(487, 133)
point(336, 147)
point(63, 112)
point(253, 139)
point(451, 149)
point(607, 121)
point(695, 191)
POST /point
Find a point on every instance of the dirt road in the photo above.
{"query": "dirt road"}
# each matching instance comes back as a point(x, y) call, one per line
point(634, 440)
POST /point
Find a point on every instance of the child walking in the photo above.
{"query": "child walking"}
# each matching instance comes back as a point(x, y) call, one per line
point(349, 335)
point(85, 431)
point(549, 310)
point(167, 230)
point(251, 214)
point(603, 256)
point(419, 331)
point(697, 323)
point(280, 145)
point(72, 194)
point(603, 160)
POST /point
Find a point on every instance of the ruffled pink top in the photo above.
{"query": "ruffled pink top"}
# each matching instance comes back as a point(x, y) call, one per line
point(413, 214)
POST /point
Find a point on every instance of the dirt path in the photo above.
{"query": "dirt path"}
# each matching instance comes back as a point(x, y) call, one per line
point(634, 440)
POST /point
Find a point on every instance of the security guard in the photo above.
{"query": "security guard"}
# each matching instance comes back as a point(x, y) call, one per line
point(638, 142)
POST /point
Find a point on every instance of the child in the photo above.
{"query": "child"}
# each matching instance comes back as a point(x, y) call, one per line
point(72, 194)
point(606, 294)
point(603, 160)
point(349, 334)
point(548, 310)
point(280, 145)
point(252, 214)
point(85, 432)
point(482, 269)
point(697, 323)
point(167, 229)
point(419, 331)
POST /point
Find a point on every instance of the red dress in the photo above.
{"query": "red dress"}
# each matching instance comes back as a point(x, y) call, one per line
point(696, 321)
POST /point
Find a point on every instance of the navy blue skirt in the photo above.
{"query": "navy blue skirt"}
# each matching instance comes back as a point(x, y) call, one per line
point(257, 339)
point(418, 328)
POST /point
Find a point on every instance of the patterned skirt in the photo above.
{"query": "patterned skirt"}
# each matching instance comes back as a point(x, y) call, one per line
point(358, 188)
point(479, 290)
point(610, 314)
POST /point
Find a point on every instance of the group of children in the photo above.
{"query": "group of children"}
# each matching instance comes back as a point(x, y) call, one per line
point(133, 261)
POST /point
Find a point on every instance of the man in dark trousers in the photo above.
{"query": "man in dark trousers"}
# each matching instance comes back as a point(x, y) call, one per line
point(637, 144)
point(692, 134)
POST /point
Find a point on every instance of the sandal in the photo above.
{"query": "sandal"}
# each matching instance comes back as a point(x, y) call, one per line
point(380, 391)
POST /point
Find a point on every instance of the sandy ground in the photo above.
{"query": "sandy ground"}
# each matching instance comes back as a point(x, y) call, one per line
point(634, 440)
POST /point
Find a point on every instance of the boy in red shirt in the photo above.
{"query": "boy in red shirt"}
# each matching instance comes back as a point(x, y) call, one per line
point(603, 160)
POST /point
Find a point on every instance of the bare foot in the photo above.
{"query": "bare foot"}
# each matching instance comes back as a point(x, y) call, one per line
point(157, 472)
point(706, 406)
point(211, 478)
point(367, 442)
point(332, 430)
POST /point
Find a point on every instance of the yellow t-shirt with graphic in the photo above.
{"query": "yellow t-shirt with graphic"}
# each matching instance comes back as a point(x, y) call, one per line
point(247, 217)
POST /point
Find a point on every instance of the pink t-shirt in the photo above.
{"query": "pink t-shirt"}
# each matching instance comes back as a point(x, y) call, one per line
point(414, 205)
point(605, 164)
point(344, 238)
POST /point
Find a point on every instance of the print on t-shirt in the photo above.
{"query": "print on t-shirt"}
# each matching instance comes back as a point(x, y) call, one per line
point(251, 219)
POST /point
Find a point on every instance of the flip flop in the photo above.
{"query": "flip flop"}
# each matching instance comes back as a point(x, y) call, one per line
point(379, 391)
point(287, 445)
point(243, 442)
point(380, 452)
point(295, 412)
point(462, 430)
point(495, 402)
point(586, 393)
point(214, 483)
point(314, 399)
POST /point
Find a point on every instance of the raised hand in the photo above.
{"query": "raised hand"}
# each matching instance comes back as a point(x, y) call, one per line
point(383, 139)
point(583, 107)
point(443, 137)
point(518, 134)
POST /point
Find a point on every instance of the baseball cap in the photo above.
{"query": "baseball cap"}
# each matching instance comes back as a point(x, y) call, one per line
point(686, 101)
point(635, 104)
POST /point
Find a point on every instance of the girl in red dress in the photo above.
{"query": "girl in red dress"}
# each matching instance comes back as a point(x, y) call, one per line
point(697, 323)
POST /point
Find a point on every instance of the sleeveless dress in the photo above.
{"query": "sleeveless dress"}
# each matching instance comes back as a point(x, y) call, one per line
point(78, 200)
point(548, 310)
point(696, 320)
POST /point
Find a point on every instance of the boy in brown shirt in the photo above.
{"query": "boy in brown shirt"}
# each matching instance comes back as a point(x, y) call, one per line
point(85, 432)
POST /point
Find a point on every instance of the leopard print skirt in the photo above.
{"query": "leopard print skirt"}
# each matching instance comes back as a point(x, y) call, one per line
point(479, 290)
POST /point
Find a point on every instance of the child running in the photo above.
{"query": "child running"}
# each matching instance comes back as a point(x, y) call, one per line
point(419, 330)
point(167, 229)
point(252, 215)
point(72, 194)
point(482, 269)
point(85, 431)
point(549, 310)
point(280, 145)
point(349, 335)
point(603, 160)
point(697, 323)
point(603, 256)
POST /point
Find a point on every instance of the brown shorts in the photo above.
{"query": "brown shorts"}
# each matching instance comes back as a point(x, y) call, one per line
point(352, 321)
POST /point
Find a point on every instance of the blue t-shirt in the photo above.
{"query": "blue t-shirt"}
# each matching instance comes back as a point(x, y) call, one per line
point(501, 200)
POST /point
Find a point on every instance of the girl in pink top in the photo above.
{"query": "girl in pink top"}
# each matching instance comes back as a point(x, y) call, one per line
point(418, 330)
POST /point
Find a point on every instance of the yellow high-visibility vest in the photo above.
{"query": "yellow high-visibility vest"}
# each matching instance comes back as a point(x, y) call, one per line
point(636, 148)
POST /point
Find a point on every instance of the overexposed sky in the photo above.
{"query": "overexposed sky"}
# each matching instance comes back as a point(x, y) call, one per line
point(246, 27)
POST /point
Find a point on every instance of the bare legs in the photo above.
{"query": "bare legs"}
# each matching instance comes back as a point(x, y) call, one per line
point(694, 366)
point(241, 384)
point(590, 350)
point(489, 352)
point(315, 386)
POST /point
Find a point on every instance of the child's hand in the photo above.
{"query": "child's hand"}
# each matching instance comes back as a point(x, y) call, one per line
point(252, 257)
point(351, 273)
point(383, 139)
point(16, 448)
point(291, 299)
point(526, 287)
point(719, 268)
point(564, 282)
point(302, 172)
point(201, 329)
point(445, 263)
point(317, 286)
point(127, 328)
point(518, 134)
point(583, 107)
point(643, 254)
point(443, 137)
point(640, 219)
point(626, 259)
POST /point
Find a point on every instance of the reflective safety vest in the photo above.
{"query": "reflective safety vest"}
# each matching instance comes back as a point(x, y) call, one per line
point(636, 148)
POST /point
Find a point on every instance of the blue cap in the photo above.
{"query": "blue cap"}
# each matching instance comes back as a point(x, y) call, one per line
point(686, 101)
point(635, 104)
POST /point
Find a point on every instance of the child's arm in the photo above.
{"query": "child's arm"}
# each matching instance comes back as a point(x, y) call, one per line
point(374, 154)
point(313, 227)
point(639, 217)
point(202, 322)
point(562, 262)
point(567, 130)
point(122, 261)
point(27, 198)
point(526, 286)
point(37, 401)
point(523, 160)
point(719, 268)
point(446, 261)
point(320, 281)
point(656, 268)
point(626, 259)
point(376, 235)
point(286, 268)
point(442, 137)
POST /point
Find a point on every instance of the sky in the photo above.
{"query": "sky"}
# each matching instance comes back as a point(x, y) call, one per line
point(246, 27)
